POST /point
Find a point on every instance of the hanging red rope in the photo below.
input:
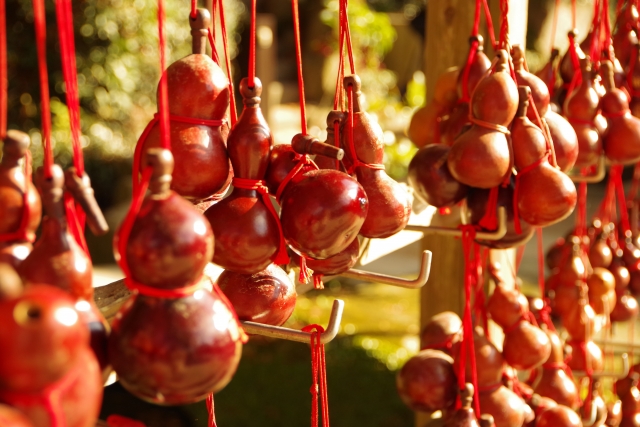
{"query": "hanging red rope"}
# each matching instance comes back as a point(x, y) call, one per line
point(225, 44)
point(68, 59)
point(252, 46)
point(45, 111)
point(555, 24)
point(319, 392)
point(163, 93)
point(296, 31)
point(4, 81)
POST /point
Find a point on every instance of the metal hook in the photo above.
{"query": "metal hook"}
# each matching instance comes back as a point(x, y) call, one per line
point(300, 336)
point(592, 179)
point(482, 235)
point(592, 416)
point(418, 282)
point(609, 374)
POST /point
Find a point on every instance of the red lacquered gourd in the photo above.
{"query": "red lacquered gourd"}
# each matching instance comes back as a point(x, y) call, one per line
point(443, 331)
point(539, 90)
point(46, 347)
point(559, 416)
point(566, 63)
point(334, 265)
point(539, 404)
point(465, 416)
point(614, 414)
point(545, 195)
point(621, 141)
point(424, 127)
point(247, 232)
point(477, 200)
point(199, 90)
point(506, 407)
point(626, 307)
point(624, 37)
point(581, 109)
point(525, 346)
point(316, 227)
point(56, 258)
point(427, 381)
point(12, 200)
point(600, 254)
point(10, 417)
point(506, 305)
point(473, 72)
point(390, 203)
point(489, 361)
point(177, 346)
point(548, 73)
point(455, 124)
point(602, 291)
point(631, 404)
point(564, 138)
point(579, 320)
point(553, 382)
point(429, 176)
point(267, 297)
point(480, 156)
point(585, 352)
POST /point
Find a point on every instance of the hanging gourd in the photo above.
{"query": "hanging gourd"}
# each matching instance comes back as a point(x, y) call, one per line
point(162, 247)
point(480, 157)
point(20, 205)
point(198, 95)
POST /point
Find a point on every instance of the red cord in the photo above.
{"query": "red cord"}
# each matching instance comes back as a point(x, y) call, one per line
point(319, 391)
point(487, 15)
point(253, 184)
point(194, 9)
point(616, 172)
point(211, 411)
point(252, 46)
point(41, 44)
point(225, 44)
point(468, 243)
point(347, 31)
point(303, 161)
point(504, 24)
point(296, 31)
point(163, 95)
point(69, 70)
point(4, 81)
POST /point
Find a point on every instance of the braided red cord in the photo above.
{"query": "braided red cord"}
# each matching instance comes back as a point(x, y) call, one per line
point(45, 113)
point(163, 95)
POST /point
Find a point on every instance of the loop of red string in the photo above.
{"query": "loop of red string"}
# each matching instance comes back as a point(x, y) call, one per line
point(296, 32)
point(303, 162)
point(618, 114)
point(21, 234)
point(137, 155)
point(4, 80)
point(493, 126)
point(260, 186)
point(344, 39)
point(467, 347)
point(50, 397)
point(318, 389)
point(45, 111)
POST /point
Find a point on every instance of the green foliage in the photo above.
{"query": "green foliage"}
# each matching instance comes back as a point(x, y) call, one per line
point(118, 69)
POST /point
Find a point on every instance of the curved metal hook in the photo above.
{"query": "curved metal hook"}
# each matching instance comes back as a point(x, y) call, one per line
point(592, 416)
point(418, 282)
point(610, 374)
point(592, 179)
point(328, 335)
point(456, 232)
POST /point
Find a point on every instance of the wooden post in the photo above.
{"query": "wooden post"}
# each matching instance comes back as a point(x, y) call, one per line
point(449, 23)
